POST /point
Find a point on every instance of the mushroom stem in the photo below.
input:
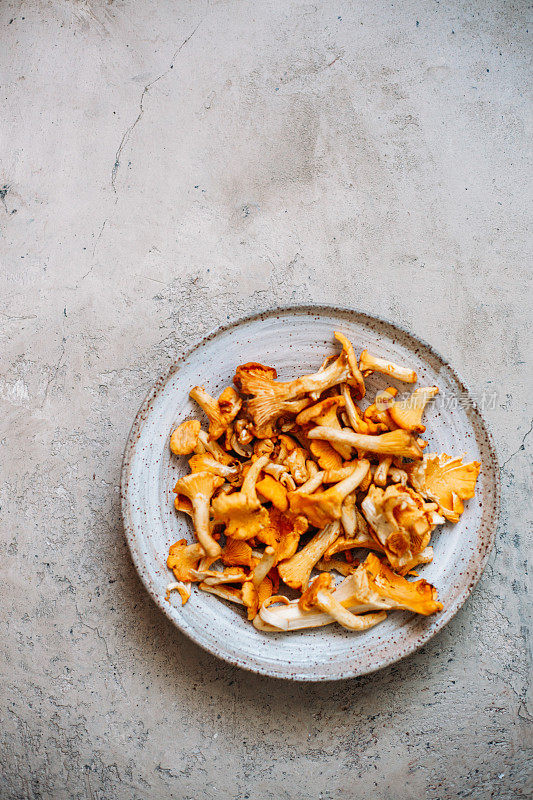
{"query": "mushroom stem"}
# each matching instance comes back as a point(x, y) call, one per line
point(265, 565)
point(349, 407)
point(290, 617)
point(395, 443)
point(374, 364)
point(264, 626)
point(200, 506)
point(225, 592)
point(351, 482)
point(248, 485)
point(214, 448)
point(380, 475)
point(312, 484)
point(348, 515)
point(326, 602)
point(296, 570)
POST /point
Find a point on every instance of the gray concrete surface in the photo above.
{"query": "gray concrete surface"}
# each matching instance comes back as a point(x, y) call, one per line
point(166, 166)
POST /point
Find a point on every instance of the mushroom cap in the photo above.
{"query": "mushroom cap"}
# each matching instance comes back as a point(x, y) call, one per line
point(198, 484)
point(446, 481)
point(322, 582)
point(283, 533)
point(401, 521)
point(230, 403)
point(182, 503)
point(221, 412)
point(243, 519)
point(183, 559)
point(418, 596)
point(185, 437)
point(324, 409)
point(321, 508)
point(408, 413)
point(237, 552)
point(273, 491)
point(251, 376)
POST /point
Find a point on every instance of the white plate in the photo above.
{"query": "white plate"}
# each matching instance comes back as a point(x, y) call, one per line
point(295, 341)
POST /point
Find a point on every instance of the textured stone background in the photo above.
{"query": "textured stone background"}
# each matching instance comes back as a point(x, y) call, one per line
point(166, 166)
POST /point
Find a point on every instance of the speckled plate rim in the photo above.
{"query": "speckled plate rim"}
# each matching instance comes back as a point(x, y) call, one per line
point(129, 452)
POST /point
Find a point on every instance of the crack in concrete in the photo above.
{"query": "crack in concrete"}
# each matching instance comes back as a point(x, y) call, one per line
point(521, 696)
point(100, 636)
point(519, 450)
point(104, 223)
point(127, 133)
point(95, 629)
point(52, 377)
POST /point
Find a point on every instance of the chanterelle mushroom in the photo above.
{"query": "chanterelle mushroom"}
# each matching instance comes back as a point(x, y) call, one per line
point(183, 559)
point(368, 364)
point(206, 463)
point(373, 581)
point(325, 414)
point(182, 503)
point(353, 412)
point(214, 577)
point(336, 564)
point(359, 541)
point(402, 522)
point(408, 413)
point(371, 587)
point(269, 399)
point(283, 533)
point(393, 443)
point(254, 595)
point(261, 570)
point(185, 437)
point(297, 569)
point(294, 457)
point(220, 412)
point(381, 473)
point(242, 512)
point(290, 616)
point(224, 592)
point(319, 594)
point(182, 587)
point(321, 508)
point(326, 455)
point(349, 514)
point(199, 487)
point(446, 481)
point(237, 552)
point(274, 491)
point(205, 444)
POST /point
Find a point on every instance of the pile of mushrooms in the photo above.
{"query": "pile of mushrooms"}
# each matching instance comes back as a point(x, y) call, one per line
point(309, 504)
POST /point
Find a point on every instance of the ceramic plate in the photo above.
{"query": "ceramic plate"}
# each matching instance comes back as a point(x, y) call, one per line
point(295, 341)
